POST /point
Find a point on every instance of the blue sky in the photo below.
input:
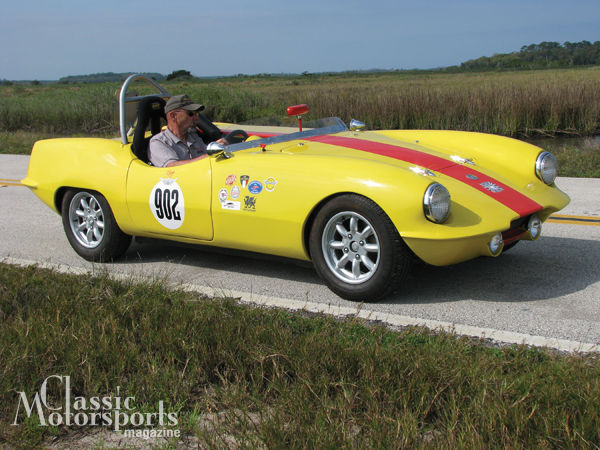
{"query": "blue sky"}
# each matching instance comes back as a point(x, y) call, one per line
point(46, 40)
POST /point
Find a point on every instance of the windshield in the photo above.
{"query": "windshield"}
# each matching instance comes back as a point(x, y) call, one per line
point(266, 128)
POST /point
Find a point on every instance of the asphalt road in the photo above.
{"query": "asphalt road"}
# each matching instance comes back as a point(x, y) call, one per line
point(539, 292)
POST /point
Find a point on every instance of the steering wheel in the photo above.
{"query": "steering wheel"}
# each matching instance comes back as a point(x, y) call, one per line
point(236, 136)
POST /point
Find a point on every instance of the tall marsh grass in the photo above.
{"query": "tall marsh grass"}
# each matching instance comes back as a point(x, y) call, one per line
point(509, 104)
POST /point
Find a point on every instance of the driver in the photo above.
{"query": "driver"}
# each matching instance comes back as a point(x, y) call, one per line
point(179, 143)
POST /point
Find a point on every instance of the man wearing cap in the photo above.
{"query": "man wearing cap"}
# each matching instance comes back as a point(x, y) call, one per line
point(179, 143)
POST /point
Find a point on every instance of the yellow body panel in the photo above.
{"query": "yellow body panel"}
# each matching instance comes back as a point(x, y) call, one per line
point(264, 200)
point(157, 212)
point(85, 163)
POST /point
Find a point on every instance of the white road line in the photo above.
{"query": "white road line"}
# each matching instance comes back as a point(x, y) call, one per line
point(391, 319)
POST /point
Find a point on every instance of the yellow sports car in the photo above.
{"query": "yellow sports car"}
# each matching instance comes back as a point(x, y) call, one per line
point(361, 205)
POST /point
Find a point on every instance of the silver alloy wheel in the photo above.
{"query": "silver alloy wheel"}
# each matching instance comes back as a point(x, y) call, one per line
point(87, 219)
point(350, 247)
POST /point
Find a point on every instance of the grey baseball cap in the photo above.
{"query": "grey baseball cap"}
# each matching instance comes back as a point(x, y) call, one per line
point(182, 101)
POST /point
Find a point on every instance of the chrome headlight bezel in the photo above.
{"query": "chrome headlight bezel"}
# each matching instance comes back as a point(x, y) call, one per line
point(436, 203)
point(546, 167)
point(534, 227)
point(496, 244)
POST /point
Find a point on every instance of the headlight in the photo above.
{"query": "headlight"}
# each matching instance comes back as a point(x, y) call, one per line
point(546, 167)
point(436, 203)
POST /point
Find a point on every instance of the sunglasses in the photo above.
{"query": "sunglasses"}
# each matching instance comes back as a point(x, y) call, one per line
point(189, 113)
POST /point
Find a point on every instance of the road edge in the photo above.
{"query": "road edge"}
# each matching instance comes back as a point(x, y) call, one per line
point(499, 336)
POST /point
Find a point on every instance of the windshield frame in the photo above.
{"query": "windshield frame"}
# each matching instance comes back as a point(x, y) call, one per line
point(338, 127)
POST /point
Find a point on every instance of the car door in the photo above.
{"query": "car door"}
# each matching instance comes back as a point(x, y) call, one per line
point(171, 201)
point(256, 203)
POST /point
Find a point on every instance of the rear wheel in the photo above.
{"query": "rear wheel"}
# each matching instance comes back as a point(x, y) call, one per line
point(91, 227)
point(357, 250)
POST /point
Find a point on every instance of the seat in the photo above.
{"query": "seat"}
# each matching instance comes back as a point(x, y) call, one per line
point(150, 111)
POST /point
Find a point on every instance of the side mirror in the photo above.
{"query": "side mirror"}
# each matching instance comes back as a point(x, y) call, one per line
point(356, 125)
point(214, 148)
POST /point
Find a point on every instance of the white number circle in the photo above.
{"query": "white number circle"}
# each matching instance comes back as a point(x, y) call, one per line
point(167, 205)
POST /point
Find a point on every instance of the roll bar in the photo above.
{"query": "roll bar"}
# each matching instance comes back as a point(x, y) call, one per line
point(124, 101)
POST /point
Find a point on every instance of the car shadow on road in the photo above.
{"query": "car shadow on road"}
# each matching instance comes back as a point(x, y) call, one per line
point(550, 268)
point(232, 261)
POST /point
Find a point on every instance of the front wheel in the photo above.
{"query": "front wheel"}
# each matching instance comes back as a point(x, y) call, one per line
point(91, 227)
point(357, 250)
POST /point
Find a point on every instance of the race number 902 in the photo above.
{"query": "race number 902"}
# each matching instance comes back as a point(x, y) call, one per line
point(167, 204)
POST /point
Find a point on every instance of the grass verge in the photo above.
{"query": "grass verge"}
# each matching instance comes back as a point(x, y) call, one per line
point(507, 104)
point(579, 162)
point(21, 142)
point(251, 377)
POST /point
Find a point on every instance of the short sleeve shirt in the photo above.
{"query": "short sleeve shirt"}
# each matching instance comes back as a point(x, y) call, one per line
point(165, 148)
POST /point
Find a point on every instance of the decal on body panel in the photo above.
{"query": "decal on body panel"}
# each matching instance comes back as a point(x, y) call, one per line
point(230, 180)
point(232, 206)
point(223, 194)
point(255, 187)
point(270, 184)
point(250, 203)
point(167, 203)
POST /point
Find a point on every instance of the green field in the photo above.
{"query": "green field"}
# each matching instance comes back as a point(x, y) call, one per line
point(251, 377)
point(506, 103)
point(517, 104)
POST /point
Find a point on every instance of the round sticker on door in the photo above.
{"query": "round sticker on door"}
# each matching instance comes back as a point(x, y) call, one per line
point(255, 187)
point(166, 203)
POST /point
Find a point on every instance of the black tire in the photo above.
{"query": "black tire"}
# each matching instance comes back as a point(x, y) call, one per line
point(357, 250)
point(91, 227)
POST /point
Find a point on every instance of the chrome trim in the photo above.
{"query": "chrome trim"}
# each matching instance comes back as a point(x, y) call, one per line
point(462, 160)
point(534, 227)
point(215, 148)
point(123, 100)
point(496, 244)
point(541, 162)
point(299, 135)
point(356, 125)
point(420, 171)
point(427, 198)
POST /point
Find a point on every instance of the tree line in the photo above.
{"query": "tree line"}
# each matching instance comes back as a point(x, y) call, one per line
point(546, 54)
point(104, 77)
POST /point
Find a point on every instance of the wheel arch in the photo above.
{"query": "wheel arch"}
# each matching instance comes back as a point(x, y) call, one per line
point(121, 218)
point(59, 195)
point(308, 223)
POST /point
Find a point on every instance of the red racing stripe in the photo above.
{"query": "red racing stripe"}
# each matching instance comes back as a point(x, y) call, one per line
point(509, 197)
